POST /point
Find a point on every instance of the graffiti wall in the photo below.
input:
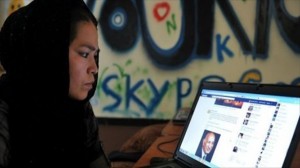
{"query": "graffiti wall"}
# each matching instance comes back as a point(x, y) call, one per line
point(155, 53)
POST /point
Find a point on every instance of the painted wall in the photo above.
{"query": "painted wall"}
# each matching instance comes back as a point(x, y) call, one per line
point(154, 53)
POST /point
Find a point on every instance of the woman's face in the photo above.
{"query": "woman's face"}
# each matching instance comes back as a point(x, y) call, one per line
point(83, 51)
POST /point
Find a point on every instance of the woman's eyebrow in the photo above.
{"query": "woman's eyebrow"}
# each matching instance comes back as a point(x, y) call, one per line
point(90, 47)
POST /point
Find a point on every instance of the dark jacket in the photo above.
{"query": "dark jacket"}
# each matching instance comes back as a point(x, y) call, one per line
point(4, 135)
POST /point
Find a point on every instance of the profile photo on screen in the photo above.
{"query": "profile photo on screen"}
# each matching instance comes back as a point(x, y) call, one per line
point(207, 145)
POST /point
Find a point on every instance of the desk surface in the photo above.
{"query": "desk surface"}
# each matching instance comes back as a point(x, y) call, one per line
point(168, 142)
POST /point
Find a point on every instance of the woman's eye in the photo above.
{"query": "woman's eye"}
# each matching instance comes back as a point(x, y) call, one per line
point(84, 54)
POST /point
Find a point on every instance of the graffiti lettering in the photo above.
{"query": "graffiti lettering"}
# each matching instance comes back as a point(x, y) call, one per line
point(130, 93)
point(205, 28)
point(131, 96)
point(157, 95)
point(262, 27)
point(289, 26)
point(124, 33)
point(222, 47)
point(164, 7)
point(236, 26)
point(171, 25)
point(202, 13)
point(110, 92)
point(180, 93)
point(123, 22)
point(179, 54)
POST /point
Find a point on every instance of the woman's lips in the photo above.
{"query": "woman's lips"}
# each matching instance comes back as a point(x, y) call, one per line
point(88, 85)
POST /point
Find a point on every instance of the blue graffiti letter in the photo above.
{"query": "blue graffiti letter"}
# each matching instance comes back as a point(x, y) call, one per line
point(108, 91)
point(222, 47)
point(130, 93)
point(180, 93)
point(158, 95)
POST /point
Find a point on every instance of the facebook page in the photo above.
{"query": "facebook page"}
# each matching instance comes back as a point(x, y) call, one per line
point(232, 129)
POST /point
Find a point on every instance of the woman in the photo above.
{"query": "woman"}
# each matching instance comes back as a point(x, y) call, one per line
point(49, 50)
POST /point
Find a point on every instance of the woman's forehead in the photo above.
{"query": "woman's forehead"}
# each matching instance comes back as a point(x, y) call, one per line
point(87, 36)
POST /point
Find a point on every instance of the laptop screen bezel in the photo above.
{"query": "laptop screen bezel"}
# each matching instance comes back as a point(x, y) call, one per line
point(270, 89)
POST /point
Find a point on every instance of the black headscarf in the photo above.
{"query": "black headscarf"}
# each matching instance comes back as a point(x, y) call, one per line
point(46, 126)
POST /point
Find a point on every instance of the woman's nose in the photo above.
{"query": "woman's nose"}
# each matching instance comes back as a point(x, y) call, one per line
point(93, 68)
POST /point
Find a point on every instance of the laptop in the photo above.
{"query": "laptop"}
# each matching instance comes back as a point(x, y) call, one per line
point(240, 125)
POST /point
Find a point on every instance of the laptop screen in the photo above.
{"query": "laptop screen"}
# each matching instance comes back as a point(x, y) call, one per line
point(228, 128)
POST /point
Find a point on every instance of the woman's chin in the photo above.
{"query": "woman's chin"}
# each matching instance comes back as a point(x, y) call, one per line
point(79, 97)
